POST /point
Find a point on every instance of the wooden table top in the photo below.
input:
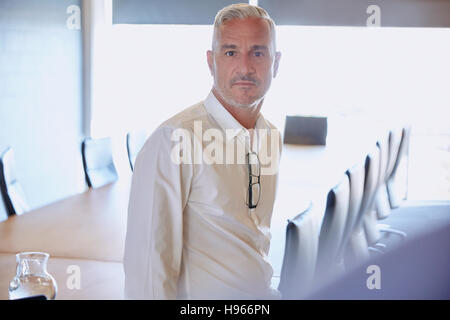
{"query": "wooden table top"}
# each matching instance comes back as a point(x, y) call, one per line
point(90, 225)
point(98, 280)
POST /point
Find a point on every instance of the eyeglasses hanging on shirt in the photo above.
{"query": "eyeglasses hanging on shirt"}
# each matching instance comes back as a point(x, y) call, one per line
point(254, 180)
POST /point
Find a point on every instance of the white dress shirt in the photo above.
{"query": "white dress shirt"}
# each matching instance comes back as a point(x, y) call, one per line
point(190, 233)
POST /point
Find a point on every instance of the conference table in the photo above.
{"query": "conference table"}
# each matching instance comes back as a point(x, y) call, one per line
point(90, 225)
point(88, 229)
point(99, 280)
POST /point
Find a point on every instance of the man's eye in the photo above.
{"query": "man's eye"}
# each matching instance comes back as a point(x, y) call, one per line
point(230, 53)
point(258, 54)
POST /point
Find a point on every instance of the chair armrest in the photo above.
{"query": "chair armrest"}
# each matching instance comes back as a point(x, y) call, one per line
point(372, 249)
point(380, 245)
point(394, 231)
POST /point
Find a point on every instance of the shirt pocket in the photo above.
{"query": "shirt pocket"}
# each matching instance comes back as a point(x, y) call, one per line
point(220, 188)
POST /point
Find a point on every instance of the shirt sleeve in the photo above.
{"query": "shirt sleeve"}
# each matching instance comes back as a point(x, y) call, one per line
point(154, 240)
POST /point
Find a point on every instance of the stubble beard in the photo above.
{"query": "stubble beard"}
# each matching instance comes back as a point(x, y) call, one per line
point(232, 102)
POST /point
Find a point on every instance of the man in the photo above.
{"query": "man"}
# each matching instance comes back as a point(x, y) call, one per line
point(199, 229)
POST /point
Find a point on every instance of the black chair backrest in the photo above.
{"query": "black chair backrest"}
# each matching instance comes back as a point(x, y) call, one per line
point(305, 130)
point(396, 197)
point(98, 162)
point(371, 173)
point(395, 138)
point(300, 254)
point(383, 145)
point(332, 229)
point(135, 142)
point(12, 193)
point(356, 176)
point(403, 149)
point(3, 212)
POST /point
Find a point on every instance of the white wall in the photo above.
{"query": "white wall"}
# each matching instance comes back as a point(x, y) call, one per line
point(40, 97)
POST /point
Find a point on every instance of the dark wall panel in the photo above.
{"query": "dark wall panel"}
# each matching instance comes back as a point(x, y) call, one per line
point(41, 96)
point(167, 11)
point(393, 13)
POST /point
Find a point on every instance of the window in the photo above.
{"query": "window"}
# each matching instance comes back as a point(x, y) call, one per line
point(147, 73)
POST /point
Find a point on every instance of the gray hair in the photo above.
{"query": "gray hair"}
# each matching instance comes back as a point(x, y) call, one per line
point(241, 11)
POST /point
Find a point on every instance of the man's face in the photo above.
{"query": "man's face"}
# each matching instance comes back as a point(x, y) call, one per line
point(243, 61)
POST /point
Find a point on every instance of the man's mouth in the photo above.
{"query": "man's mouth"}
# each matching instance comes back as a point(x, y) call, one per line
point(244, 83)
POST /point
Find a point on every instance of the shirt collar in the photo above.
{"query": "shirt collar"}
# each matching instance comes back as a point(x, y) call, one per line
point(226, 121)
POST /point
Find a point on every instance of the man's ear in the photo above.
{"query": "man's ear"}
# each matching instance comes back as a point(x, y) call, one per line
point(276, 63)
point(210, 59)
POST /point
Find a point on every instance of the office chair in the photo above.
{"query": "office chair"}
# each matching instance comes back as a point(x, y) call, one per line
point(300, 254)
point(381, 210)
point(98, 162)
point(135, 142)
point(356, 176)
point(403, 152)
point(395, 139)
point(12, 193)
point(402, 216)
point(329, 261)
point(382, 206)
point(357, 249)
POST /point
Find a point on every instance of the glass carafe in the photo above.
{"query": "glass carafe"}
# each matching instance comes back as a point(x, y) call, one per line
point(32, 278)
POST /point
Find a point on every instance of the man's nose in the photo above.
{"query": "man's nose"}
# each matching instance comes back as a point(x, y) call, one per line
point(245, 65)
